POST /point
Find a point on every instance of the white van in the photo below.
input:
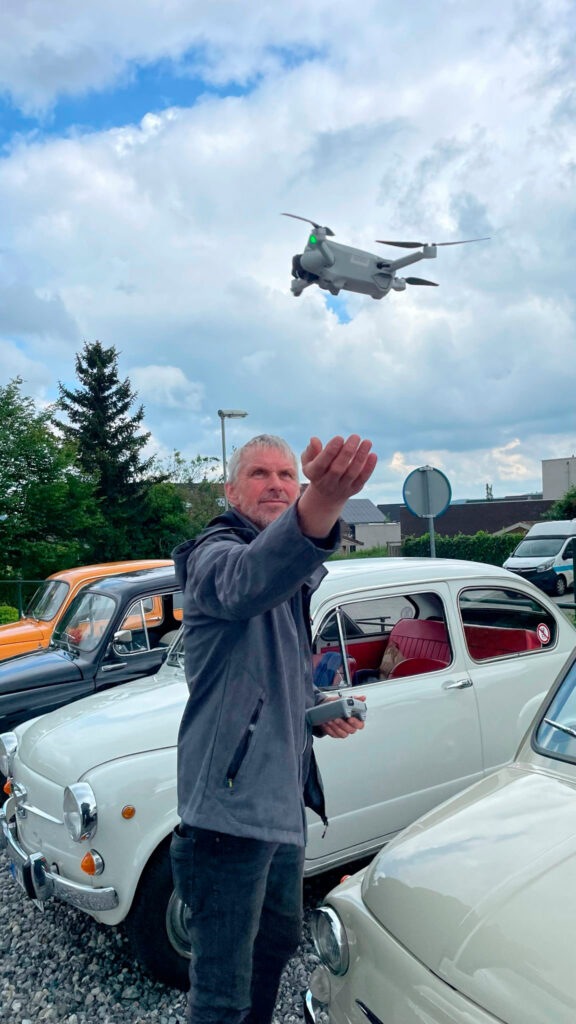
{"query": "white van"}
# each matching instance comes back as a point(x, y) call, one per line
point(545, 555)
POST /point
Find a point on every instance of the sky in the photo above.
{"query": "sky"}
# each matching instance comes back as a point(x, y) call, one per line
point(147, 150)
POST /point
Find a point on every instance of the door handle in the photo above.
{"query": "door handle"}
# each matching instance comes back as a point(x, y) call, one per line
point(114, 667)
point(460, 684)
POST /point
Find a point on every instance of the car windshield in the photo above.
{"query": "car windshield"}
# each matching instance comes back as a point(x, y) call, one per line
point(84, 623)
point(176, 652)
point(47, 600)
point(555, 735)
point(539, 547)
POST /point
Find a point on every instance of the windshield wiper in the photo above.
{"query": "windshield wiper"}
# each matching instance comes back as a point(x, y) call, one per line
point(563, 728)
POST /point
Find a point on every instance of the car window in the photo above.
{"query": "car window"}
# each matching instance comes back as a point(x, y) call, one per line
point(84, 622)
point(555, 734)
point(539, 547)
point(386, 637)
point(47, 600)
point(150, 622)
point(500, 622)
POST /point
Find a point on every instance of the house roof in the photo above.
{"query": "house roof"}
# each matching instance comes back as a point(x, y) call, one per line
point(361, 510)
point(470, 517)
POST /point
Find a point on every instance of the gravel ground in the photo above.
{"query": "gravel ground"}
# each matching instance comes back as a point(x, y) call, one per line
point(59, 965)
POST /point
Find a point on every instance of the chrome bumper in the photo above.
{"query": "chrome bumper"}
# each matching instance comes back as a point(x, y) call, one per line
point(311, 1007)
point(32, 873)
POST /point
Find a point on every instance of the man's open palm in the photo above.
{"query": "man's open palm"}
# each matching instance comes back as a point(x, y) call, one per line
point(340, 468)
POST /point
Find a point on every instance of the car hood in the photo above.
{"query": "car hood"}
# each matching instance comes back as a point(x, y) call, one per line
point(37, 668)
point(22, 631)
point(135, 717)
point(483, 892)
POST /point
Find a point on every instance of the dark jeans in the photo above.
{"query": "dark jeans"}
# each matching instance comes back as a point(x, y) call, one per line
point(245, 920)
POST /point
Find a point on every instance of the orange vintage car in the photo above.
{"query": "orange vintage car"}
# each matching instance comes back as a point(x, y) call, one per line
point(52, 599)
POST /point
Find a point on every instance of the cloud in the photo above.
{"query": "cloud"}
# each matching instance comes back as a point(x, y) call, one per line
point(164, 238)
point(167, 386)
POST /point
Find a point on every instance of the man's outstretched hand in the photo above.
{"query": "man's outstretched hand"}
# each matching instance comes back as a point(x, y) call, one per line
point(336, 472)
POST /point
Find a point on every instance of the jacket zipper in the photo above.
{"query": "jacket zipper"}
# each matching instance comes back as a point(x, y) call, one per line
point(242, 748)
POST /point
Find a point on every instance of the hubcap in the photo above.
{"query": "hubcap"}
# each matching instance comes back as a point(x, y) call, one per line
point(177, 914)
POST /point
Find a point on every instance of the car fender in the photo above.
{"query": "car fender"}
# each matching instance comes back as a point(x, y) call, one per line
point(145, 782)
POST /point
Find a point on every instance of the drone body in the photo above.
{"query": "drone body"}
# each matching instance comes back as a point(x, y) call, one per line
point(334, 266)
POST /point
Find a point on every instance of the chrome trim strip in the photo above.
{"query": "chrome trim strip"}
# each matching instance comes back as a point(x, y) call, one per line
point(40, 814)
point(45, 883)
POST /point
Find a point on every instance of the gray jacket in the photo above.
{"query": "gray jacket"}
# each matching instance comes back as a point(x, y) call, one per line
point(244, 749)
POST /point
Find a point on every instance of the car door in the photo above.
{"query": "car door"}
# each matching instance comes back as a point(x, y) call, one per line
point(134, 648)
point(421, 742)
point(515, 645)
point(567, 558)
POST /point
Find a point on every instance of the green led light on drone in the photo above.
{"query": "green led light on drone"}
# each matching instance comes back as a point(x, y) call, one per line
point(313, 239)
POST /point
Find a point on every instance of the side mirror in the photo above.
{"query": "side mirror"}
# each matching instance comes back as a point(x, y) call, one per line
point(123, 636)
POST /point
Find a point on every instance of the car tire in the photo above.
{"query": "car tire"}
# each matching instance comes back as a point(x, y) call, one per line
point(560, 588)
point(155, 926)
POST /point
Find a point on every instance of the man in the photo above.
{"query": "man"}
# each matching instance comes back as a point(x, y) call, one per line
point(245, 761)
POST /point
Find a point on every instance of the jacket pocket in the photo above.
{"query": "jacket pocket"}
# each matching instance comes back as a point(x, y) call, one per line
point(243, 747)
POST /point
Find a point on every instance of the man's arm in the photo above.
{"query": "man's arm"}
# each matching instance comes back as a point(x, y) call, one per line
point(335, 472)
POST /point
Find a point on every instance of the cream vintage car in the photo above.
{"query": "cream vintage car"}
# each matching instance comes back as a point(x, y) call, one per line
point(469, 916)
point(453, 657)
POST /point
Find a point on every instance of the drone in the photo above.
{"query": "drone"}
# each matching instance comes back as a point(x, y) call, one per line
point(334, 267)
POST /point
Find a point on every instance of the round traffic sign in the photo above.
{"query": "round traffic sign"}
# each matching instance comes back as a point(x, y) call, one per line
point(427, 492)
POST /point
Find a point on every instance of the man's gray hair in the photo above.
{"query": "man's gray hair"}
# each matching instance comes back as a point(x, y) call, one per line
point(261, 441)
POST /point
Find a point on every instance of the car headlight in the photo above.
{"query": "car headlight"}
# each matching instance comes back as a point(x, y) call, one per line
point(8, 748)
point(545, 566)
point(80, 811)
point(330, 940)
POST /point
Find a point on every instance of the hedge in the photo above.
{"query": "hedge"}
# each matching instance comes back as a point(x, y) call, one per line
point(480, 547)
point(380, 552)
point(8, 614)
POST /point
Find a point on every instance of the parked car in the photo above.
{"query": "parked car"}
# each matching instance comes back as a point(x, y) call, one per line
point(545, 555)
point(453, 657)
point(51, 600)
point(117, 628)
point(469, 914)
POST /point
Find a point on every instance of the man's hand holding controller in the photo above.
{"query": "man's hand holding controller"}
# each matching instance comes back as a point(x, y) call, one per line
point(350, 712)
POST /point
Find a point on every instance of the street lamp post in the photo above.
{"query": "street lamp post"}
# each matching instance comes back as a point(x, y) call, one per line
point(229, 414)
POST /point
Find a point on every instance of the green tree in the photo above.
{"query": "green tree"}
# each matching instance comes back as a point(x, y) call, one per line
point(202, 495)
point(107, 432)
point(49, 512)
point(564, 508)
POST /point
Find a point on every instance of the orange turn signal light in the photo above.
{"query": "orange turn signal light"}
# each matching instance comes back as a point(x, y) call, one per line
point(344, 878)
point(7, 787)
point(128, 811)
point(88, 864)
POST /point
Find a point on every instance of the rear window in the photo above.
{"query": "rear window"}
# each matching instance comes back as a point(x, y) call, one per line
point(501, 623)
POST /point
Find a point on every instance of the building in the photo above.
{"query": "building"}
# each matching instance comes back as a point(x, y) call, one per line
point(364, 526)
point(471, 516)
point(558, 476)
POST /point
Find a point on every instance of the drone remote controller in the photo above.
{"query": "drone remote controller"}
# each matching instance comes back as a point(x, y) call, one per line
point(328, 710)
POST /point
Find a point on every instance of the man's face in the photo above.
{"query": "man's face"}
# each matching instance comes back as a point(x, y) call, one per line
point(266, 485)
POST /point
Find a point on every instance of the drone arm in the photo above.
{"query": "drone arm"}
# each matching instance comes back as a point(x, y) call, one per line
point(428, 253)
point(328, 256)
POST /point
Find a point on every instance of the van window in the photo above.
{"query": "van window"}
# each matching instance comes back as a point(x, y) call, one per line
point(500, 623)
point(539, 547)
point(385, 637)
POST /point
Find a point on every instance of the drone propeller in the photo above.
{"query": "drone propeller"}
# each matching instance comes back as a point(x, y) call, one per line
point(419, 245)
point(420, 280)
point(318, 227)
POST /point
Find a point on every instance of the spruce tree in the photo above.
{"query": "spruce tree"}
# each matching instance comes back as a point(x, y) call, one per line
point(106, 430)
